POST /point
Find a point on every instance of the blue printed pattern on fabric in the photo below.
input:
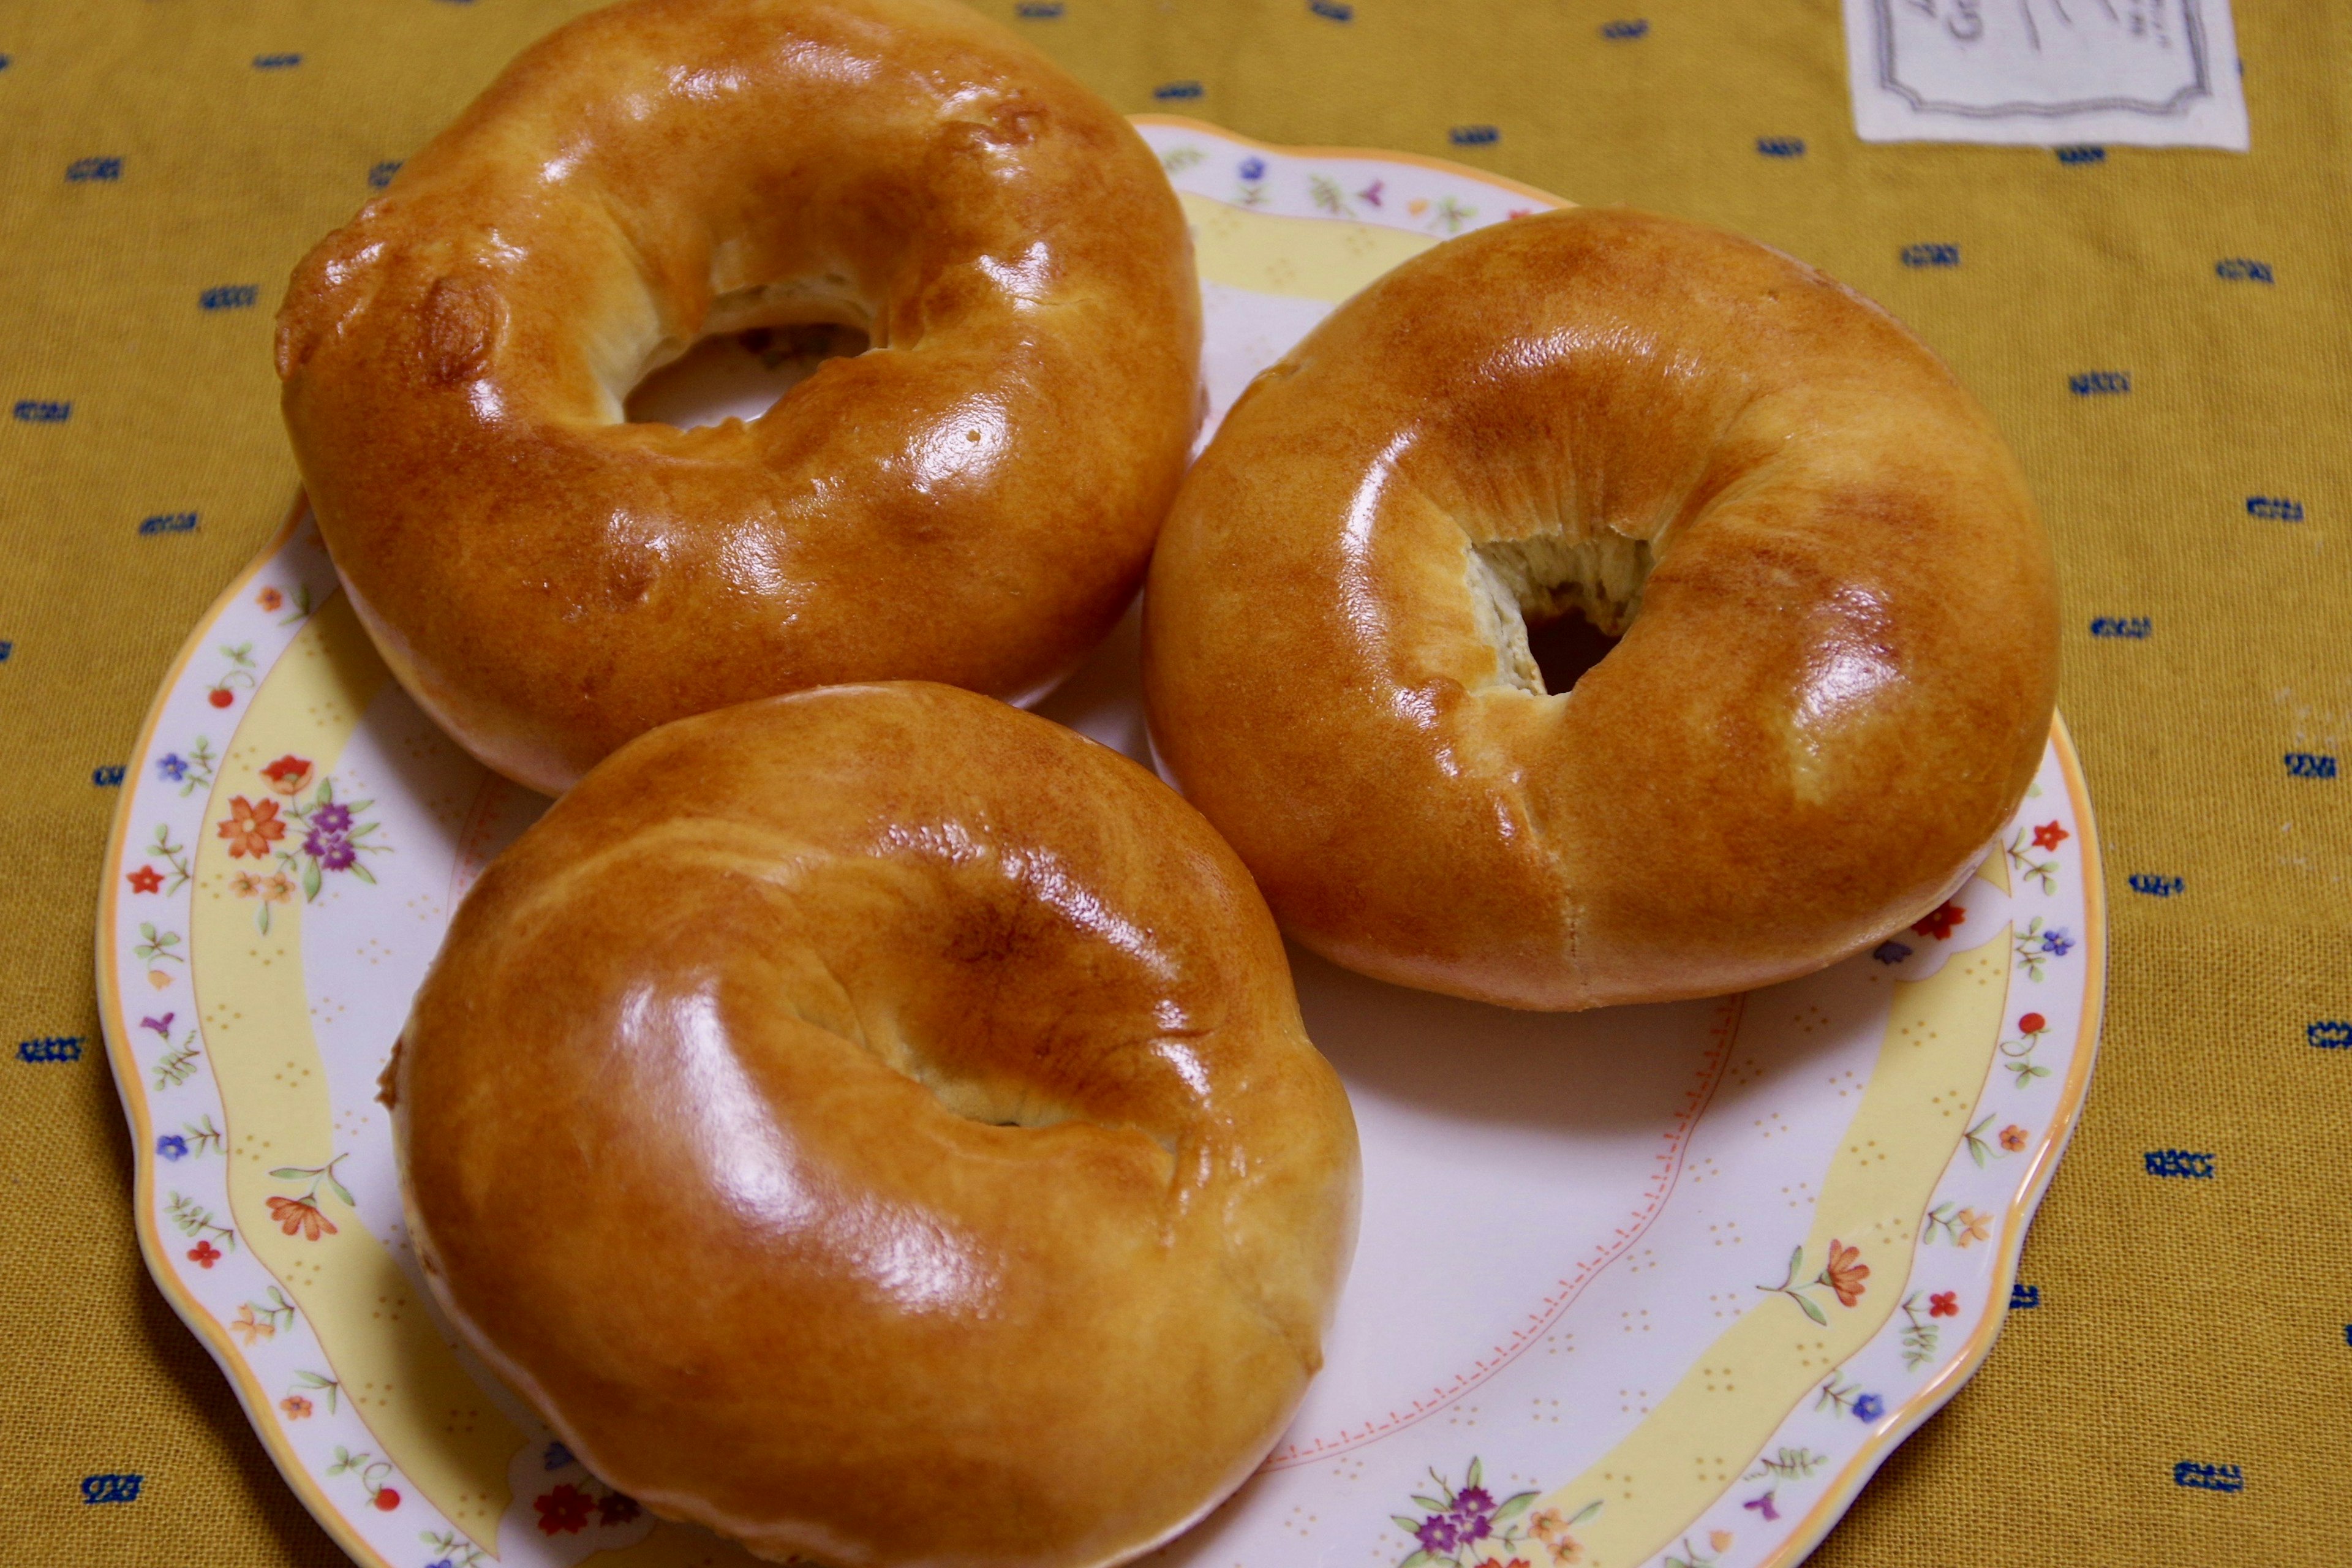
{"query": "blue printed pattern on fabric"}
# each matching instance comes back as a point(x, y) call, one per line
point(50, 1049)
point(2209, 1478)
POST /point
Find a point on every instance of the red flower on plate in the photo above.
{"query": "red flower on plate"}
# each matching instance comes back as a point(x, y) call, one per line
point(2049, 835)
point(220, 696)
point(2033, 1024)
point(204, 1254)
point(1940, 921)
point(2012, 1137)
point(1944, 1304)
point(387, 1498)
point(288, 774)
point(146, 880)
point(616, 1507)
point(564, 1511)
point(251, 829)
point(296, 1213)
point(270, 598)
point(1845, 1272)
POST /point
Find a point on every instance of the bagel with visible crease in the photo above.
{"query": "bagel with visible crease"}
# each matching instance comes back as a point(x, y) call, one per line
point(973, 500)
point(876, 1123)
point(1834, 602)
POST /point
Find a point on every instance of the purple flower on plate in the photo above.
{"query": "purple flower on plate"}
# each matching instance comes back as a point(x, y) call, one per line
point(558, 1456)
point(1763, 1505)
point(2056, 943)
point(331, 850)
point(1869, 1408)
point(1472, 1500)
point(1252, 169)
point(333, 817)
point(1890, 953)
point(172, 1146)
point(173, 766)
point(1437, 1534)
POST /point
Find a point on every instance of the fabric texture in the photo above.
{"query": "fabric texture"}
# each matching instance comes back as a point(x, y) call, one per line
point(2164, 336)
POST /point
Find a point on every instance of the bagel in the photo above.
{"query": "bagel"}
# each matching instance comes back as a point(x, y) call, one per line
point(1836, 618)
point(973, 501)
point(876, 1123)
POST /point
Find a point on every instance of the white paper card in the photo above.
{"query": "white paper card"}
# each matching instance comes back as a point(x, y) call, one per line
point(2148, 73)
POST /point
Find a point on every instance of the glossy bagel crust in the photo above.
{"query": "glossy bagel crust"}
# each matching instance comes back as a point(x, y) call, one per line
point(876, 1123)
point(1840, 625)
point(974, 501)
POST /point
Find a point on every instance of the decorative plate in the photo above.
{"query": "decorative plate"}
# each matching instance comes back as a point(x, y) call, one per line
point(1649, 1286)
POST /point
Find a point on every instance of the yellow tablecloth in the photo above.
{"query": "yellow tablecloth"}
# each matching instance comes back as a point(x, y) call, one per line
point(165, 162)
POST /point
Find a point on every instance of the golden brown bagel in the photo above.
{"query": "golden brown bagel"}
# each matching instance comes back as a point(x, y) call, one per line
point(876, 1123)
point(1840, 632)
point(974, 501)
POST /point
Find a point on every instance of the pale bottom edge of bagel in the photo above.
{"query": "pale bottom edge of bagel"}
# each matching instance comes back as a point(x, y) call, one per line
point(765, 1543)
point(1583, 992)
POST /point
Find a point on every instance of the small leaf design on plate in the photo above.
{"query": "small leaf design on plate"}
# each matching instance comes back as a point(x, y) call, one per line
point(1811, 1310)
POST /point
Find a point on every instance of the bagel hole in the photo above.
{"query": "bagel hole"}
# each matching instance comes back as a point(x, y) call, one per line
point(996, 1100)
point(1553, 606)
point(1564, 647)
point(738, 375)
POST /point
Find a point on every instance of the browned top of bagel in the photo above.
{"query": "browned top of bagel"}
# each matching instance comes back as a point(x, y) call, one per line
point(877, 1122)
point(1840, 636)
point(973, 502)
